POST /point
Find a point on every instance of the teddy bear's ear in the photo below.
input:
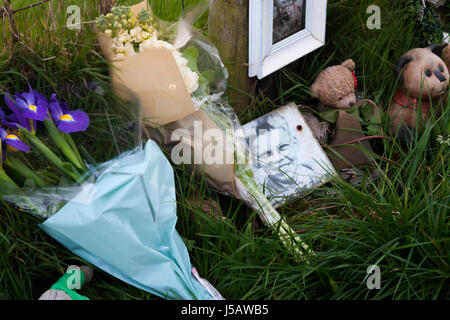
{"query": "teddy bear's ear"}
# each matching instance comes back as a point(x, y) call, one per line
point(436, 49)
point(398, 70)
point(349, 64)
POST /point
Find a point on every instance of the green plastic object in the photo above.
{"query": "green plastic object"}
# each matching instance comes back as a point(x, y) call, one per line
point(73, 279)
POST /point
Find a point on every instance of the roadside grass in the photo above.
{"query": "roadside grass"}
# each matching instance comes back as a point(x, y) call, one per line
point(398, 221)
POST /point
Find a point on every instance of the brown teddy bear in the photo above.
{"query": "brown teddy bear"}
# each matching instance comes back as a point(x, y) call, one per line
point(424, 77)
point(335, 88)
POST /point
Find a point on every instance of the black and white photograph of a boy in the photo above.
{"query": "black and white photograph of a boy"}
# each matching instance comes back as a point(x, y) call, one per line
point(288, 18)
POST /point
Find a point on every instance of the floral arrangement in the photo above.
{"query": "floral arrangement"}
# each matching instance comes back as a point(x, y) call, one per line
point(132, 35)
point(28, 111)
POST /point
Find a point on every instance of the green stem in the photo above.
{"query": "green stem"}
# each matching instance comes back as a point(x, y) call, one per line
point(62, 144)
point(20, 167)
point(65, 167)
point(33, 129)
point(13, 188)
point(5, 178)
point(272, 218)
point(74, 148)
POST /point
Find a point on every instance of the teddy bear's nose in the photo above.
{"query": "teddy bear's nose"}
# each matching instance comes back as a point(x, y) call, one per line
point(439, 75)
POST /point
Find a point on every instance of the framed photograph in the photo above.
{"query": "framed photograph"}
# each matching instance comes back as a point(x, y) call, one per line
point(282, 31)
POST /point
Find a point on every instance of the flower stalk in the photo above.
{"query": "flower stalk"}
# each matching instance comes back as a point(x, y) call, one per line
point(17, 165)
point(60, 140)
point(65, 167)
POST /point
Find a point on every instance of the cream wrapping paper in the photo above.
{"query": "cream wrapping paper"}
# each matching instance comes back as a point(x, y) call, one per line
point(153, 77)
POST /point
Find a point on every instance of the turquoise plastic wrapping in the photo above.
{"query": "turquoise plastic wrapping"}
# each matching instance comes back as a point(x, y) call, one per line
point(124, 223)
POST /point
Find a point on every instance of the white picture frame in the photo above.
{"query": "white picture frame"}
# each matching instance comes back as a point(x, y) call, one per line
point(266, 57)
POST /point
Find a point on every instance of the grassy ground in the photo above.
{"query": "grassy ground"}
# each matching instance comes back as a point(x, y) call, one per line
point(408, 238)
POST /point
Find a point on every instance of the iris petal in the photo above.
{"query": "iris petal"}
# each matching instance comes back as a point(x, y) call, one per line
point(17, 117)
point(29, 97)
point(40, 99)
point(35, 112)
point(14, 141)
point(3, 134)
point(73, 121)
point(55, 108)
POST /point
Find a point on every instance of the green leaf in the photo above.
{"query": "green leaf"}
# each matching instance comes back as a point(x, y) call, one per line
point(209, 75)
point(370, 116)
point(189, 243)
point(334, 285)
point(355, 111)
point(191, 54)
point(203, 87)
point(60, 140)
point(329, 115)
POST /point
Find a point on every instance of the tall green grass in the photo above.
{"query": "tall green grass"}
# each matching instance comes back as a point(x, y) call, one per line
point(398, 221)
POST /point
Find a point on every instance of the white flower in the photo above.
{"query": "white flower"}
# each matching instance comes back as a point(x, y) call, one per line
point(138, 35)
point(181, 62)
point(142, 36)
point(443, 139)
point(116, 43)
point(129, 49)
point(148, 44)
point(190, 79)
point(108, 32)
point(123, 49)
point(135, 31)
point(123, 36)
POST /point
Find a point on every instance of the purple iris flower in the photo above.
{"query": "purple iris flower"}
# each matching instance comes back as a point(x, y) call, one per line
point(33, 104)
point(27, 108)
point(67, 120)
point(16, 119)
point(13, 140)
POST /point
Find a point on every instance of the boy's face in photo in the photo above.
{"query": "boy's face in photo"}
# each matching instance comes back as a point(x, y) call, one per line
point(273, 150)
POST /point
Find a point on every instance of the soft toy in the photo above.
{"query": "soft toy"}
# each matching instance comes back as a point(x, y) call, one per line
point(424, 79)
point(446, 55)
point(335, 88)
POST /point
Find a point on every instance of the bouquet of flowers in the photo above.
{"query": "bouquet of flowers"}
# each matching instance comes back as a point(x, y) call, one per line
point(157, 72)
point(119, 215)
point(131, 35)
point(18, 136)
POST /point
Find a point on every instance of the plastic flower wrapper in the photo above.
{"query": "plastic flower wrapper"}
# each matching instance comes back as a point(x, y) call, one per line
point(187, 137)
point(120, 215)
point(124, 223)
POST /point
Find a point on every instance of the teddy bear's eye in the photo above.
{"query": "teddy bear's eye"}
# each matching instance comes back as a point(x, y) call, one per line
point(428, 73)
point(441, 69)
point(340, 98)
